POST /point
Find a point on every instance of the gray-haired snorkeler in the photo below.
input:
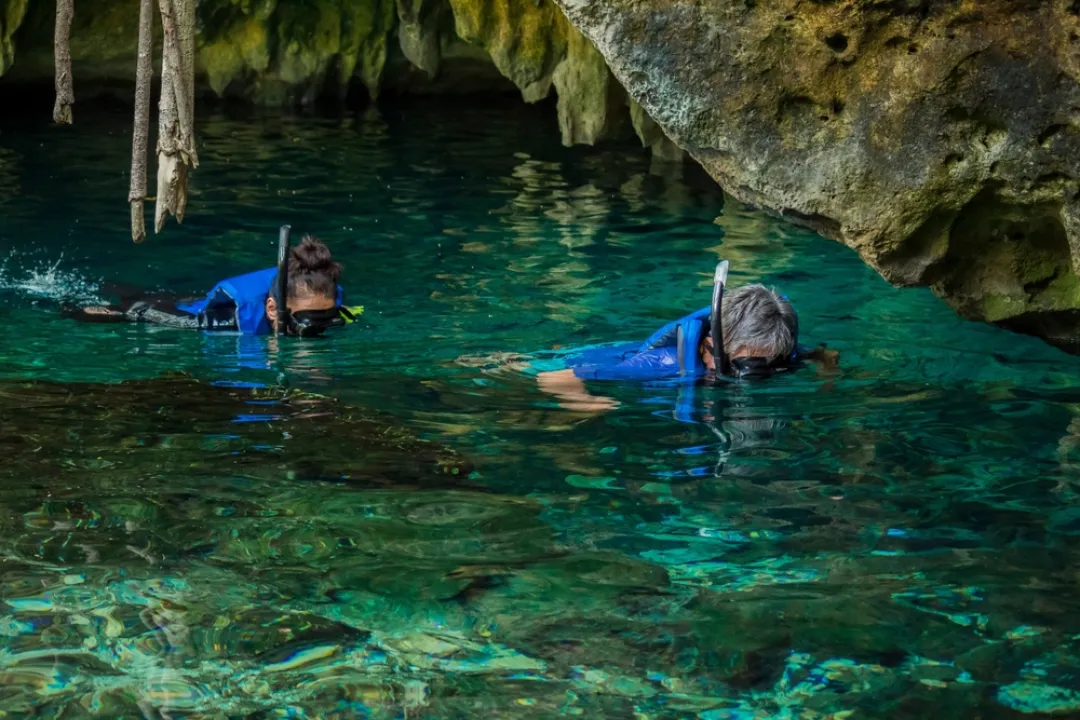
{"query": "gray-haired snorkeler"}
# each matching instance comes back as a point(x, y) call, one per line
point(752, 331)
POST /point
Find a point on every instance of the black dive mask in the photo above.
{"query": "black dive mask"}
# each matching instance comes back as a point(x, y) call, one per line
point(303, 323)
point(313, 323)
point(740, 368)
point(756, 368)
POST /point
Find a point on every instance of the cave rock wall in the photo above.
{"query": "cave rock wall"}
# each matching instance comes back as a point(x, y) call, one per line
point(281, 52)
point(940, 140)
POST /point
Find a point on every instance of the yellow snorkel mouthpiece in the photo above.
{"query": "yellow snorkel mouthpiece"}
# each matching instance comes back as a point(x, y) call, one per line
point(356, 310)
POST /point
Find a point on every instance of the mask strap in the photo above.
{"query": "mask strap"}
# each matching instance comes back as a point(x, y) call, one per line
point(716, 321)
point(281, 289)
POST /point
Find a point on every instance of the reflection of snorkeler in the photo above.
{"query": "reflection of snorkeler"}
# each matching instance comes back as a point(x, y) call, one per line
point(759, 331)
point(305, 284)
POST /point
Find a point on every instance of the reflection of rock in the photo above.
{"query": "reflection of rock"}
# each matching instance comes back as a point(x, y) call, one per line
point(938, 140)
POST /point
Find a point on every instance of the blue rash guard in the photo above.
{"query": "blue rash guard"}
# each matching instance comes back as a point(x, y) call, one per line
point(240, 302)
point(673, 351)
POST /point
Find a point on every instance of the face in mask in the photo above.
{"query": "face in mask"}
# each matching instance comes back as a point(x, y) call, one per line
point(758, 313)
point(310, 313)
point(313, 323)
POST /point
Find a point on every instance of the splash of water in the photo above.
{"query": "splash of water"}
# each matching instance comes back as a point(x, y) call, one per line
point(48, 281)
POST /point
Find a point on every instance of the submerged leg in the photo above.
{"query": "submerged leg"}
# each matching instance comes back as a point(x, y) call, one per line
point(157, 309)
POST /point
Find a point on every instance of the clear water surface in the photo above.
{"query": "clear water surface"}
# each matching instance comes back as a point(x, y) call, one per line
point(399, 524)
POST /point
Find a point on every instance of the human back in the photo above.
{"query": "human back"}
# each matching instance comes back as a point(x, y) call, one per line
point(759, 329)
point(254, 303)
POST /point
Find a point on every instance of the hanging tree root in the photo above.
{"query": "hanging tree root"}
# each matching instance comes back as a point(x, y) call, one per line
point(65, 94)
point(176, 119)
point(143, 76)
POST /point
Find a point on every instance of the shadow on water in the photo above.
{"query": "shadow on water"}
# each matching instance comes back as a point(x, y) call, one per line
point(414, 529)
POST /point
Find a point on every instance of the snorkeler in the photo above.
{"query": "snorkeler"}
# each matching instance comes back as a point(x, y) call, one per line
point(299, 297)
point(753, 332)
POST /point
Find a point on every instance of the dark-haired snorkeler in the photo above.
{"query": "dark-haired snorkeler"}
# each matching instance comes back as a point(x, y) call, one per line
point(751, 332)
point(299, 297)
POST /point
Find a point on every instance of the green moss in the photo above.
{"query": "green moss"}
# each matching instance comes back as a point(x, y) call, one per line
point(526, 39)
point(103, 38)
point(591, 101)
point(242, 48)
point(279, 51)
point(1061, 294)
point(11, 16)
point(420, 32)
point(996, 308)
point(108, 32)
point(309, 36)
point(313, 35)
point(366, 27)
point(1037, 267)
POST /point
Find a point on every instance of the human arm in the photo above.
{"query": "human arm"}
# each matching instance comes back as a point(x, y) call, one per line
point(572, 393)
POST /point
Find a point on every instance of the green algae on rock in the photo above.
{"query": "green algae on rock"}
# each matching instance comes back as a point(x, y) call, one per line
point(316, 437)
point(280, 52)
point(591, 101)
point(11, 16)
point(939, 141)
point(525, 39)
point(1040, 699)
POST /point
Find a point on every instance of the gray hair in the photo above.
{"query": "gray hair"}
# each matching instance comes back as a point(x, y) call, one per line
point(759, 322)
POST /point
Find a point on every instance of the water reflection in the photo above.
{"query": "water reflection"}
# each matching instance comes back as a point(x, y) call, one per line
point(891, 539)
point(680, 572)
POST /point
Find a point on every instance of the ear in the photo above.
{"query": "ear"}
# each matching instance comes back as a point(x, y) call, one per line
point(271, 309)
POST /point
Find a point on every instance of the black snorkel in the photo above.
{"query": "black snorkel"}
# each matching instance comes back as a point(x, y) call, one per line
point(716, 320)
point(743, 367)
point(302, 323)
point(281, 284)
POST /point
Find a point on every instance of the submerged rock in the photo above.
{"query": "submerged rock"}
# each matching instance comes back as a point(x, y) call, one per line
point(117, 434)
point(1042, 699)
point(939, 140)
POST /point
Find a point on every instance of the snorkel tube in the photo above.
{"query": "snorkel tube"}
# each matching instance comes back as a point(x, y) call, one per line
point(281, 284)
point(716, 321)
point(303, 323)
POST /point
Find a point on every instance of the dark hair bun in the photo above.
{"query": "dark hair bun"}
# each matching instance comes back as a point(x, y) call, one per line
point(312, 257)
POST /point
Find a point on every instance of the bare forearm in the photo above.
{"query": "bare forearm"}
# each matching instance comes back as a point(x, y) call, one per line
point(571, 390)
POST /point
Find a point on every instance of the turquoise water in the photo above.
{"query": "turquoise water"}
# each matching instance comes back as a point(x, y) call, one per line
point(417, 531)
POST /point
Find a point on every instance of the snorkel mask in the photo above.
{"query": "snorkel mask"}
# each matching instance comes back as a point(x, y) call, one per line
point(739, 368)
point(303, 323)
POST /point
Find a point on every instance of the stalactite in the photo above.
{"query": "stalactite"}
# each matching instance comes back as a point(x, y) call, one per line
point(176, 120)
point(141, 131)
point(65, 94)
point(418, 32)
